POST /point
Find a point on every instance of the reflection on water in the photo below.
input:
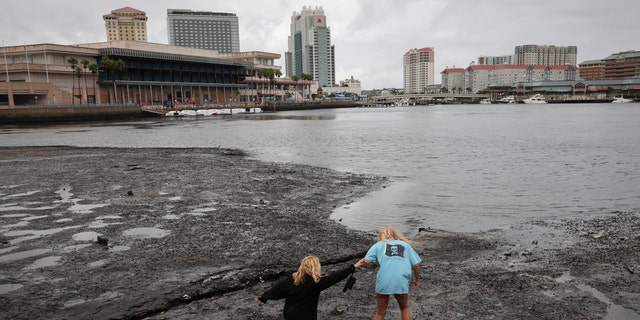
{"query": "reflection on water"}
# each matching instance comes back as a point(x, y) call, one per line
point(455, 167)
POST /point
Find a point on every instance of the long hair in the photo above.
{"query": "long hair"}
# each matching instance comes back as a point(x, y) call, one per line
point(309, 266)
point(390, 233)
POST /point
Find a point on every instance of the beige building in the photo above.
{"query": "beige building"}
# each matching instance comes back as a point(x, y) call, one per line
point(547, 55)
point(42, 74)
point(453, 80)
point(480, 77)
point(126, 24)
point(418, 69)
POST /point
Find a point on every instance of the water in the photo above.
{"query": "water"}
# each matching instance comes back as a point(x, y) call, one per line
point(455, 167)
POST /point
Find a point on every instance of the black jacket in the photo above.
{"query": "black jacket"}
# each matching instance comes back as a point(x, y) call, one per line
point(302, 300)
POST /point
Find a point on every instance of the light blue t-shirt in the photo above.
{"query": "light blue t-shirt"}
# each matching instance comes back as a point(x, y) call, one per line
point(396, 258)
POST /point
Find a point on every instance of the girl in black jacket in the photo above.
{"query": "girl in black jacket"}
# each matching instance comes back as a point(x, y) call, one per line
point(302, 290)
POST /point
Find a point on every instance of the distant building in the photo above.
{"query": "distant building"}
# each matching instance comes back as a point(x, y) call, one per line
point(480, 77)
point(41, 74)
point(453, 80)
point(310, 49)
point(418, 69)
point(622, 65)
point(547, 55)
point(203, 30)
point(592, 70)
point(349, 86)
point(506, 59)
point(126, 24)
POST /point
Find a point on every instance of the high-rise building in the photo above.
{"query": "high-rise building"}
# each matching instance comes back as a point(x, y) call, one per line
point(418, 70)
point(203, 30)
point(126, 24)
point(546, 55)
point(490, 60)
point(310, 49)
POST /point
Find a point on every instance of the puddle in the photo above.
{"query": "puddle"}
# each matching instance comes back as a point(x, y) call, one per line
point(66, 197)
point(75, 247)
point(33, 234)
point(15, 207)
point(15, 215)
point(5, 250)
point(85, 208)
point(614, 311)
point(20, 195)
point(119, 248)
point(65, 193)
point(101, 224)
point(33, 218)
point(44, 262)
point(108, 217)
point(23, 255)
point(74, 302)
point(177, 198)
point(86, 236)
point(201, 212)
point(8, 287)
point(98, 263)
point(146, 233)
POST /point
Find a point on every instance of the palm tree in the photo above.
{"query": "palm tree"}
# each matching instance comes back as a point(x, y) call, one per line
point(85, 66)
point(94, 70)
point(278, 74)
point(295, 79)
point(260, 74)
point(308, 78)
point(78, 74)
point(73, 65)
point(112, 67)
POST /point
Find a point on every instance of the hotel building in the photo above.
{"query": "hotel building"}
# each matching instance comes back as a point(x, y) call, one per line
point(203, 30)
point(310, 49)
point(453, 80)
point(126, 24)
point(546, 55)
point(418, 70)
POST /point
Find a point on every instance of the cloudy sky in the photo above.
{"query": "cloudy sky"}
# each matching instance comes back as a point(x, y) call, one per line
point(370, 36)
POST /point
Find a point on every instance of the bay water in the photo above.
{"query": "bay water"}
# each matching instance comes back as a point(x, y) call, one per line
point(454, 167)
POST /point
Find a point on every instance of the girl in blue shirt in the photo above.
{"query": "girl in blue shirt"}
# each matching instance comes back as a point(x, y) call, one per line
point(398, 265)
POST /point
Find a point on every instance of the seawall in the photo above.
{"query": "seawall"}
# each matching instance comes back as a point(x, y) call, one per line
point(69, 113)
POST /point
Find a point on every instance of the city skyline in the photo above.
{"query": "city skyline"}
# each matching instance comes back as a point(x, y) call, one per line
point(370, 37)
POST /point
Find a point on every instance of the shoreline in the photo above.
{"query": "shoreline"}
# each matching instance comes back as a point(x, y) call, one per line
point(185, 244)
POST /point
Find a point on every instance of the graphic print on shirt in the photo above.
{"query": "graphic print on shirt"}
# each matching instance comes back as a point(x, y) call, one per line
point(394, 250)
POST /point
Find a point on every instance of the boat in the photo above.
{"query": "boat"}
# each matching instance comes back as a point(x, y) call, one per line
point(535, 99)
point(507, 99)
point(621, 99)
point(485, 101)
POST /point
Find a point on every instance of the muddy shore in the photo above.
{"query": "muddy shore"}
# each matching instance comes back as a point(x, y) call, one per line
point(101, 233)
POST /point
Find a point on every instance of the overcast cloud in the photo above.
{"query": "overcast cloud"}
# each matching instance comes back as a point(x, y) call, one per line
point(370, 36)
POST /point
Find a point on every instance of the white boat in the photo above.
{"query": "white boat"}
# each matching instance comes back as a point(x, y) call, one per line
point(620, 99)
point(535, 99)
point(507, 99)
point(485, 101)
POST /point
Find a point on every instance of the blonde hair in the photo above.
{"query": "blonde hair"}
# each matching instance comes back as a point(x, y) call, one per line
point(390, 233)
point(309, 266)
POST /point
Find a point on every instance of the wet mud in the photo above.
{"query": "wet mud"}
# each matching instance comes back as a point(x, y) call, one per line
point(102, 233)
